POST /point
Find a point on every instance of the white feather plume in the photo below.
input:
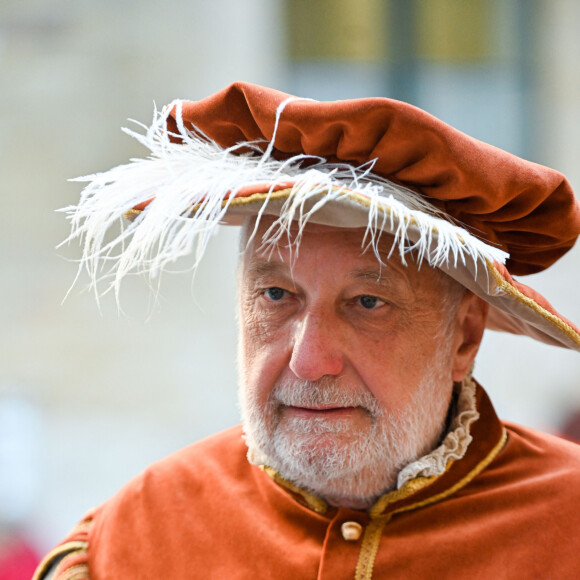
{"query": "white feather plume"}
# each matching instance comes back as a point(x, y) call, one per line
point(197, 173)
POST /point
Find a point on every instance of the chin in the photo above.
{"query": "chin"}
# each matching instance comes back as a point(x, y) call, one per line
point(347, 469)
point(347, 463)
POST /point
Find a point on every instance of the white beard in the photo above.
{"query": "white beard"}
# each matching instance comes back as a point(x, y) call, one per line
point(345, 465)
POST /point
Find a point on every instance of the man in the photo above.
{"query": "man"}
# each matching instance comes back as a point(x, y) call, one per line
point(378, 243)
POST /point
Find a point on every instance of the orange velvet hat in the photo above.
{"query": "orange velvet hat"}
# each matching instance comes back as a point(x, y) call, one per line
point(478, 213)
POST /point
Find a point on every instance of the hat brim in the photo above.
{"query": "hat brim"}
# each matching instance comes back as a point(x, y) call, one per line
point(190, 184)
point(514, 307)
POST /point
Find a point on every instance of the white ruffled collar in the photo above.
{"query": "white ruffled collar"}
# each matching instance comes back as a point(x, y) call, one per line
point(455, 443)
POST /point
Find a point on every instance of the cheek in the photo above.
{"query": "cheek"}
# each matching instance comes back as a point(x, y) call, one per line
point(394, 368)
point(257, 327)
point(261, 359)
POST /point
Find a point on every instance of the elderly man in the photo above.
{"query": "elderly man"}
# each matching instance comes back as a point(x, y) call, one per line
point(377, 245)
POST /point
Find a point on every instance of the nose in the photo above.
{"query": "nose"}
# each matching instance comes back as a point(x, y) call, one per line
point(316, 349)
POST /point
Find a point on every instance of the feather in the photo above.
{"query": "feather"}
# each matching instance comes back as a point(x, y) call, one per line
point(188, 188)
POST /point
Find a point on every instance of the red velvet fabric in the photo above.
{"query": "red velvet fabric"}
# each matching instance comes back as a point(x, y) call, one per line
point(204, 512)
point(528, 210)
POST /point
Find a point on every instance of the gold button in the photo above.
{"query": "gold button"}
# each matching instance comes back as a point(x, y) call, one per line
point(351, 531)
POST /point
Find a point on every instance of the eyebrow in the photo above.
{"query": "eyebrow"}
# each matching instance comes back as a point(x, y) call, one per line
point(262, 271)
point(383, 276)
point(259, 268)
point(369, 274)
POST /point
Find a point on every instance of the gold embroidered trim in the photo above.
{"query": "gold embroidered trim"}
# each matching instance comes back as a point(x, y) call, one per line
point(531, 303)
point(373, 533)
point(409, 488)
point(369, 548)
point(281, 194)
point(255, 197)
point(64, 549)
point(462, 482)
point(77, 572)
point(314, 502)
point(287, 192)
point(131, 214)
point(233, 202)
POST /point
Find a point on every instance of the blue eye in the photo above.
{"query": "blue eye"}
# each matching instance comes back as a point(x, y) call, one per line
point(368, 302)
point(275, 294)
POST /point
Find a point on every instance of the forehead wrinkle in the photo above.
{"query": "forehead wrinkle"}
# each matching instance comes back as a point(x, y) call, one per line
point(384, 271)
point(381, 266)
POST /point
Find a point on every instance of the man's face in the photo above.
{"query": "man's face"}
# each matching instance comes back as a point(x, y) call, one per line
point(346, 365)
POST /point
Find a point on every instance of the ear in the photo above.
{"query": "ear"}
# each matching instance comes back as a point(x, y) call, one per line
point(469, 327)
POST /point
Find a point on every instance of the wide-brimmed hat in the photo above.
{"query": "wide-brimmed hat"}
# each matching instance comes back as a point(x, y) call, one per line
point(476, 212)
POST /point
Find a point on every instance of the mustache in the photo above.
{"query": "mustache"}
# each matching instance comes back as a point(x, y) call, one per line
point(326, 391)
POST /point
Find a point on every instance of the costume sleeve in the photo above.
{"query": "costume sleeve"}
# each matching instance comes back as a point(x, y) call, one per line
point(69, 560)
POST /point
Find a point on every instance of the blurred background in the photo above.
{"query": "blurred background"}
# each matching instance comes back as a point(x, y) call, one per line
point(90, 396)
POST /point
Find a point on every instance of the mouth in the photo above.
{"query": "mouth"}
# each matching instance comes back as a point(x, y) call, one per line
point(325, 411)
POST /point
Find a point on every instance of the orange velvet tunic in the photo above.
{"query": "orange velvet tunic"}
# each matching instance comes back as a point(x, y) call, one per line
point(509, 509)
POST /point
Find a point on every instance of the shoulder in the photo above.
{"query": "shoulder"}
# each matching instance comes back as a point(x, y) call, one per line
point(544, 451)
point(169, 489)
point(222, 452)
point(539, 469)
point(182, 478)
